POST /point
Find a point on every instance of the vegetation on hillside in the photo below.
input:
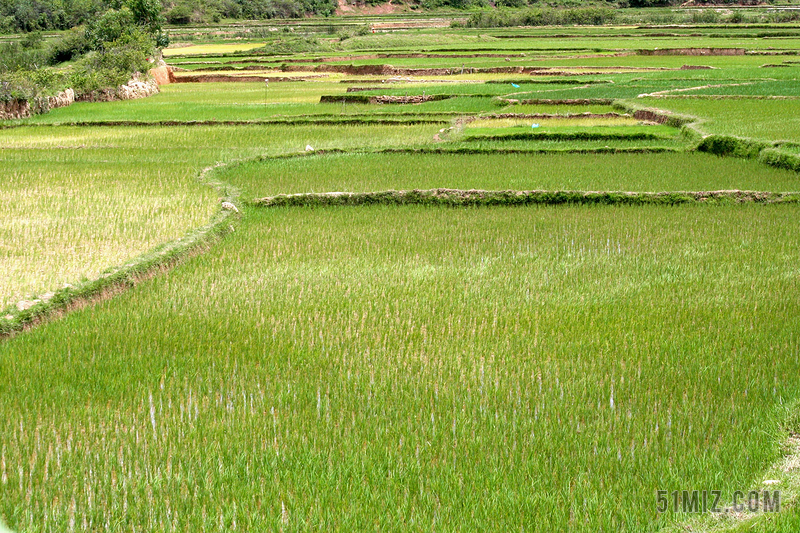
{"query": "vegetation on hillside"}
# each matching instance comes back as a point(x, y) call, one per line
point(37, 15)
point(102, 54)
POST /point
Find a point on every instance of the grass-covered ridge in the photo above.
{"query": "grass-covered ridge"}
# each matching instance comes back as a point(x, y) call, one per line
point(473, 197)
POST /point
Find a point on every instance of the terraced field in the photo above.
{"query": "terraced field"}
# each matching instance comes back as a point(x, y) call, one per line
point(374, 331)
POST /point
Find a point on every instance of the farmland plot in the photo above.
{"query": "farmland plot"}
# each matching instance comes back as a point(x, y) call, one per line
point(545, 368)
point(346, 360)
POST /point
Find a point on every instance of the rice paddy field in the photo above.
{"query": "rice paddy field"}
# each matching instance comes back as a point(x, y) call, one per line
point(570, 367)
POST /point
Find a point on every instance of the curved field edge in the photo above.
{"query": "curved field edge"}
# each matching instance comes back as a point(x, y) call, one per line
point(779, 154)
point(28, 313)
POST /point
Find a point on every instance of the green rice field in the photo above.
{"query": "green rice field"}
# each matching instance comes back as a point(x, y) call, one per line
point(410, 367)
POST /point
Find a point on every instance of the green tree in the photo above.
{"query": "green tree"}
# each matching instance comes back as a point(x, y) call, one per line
point(147, 13)
point(109, 27)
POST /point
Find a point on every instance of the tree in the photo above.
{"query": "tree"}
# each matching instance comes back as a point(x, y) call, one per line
point(109, 27)
point(147, 13)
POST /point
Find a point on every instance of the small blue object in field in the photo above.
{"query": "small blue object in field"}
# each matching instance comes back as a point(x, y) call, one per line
point(515, 85)
point(534, 125)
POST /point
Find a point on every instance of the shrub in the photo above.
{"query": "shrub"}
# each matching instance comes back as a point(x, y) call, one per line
point(14, 56)
point(542, 17)
point(737, 17)
point(705, 16)
point(109, 27)
point(511, 3)
point(179, 15)
point(115, 64)
point(70, 46)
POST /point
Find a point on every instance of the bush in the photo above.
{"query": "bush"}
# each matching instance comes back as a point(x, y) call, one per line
point(705, 16)
point(17, 86)
point(511, 3)
point(737, 17)
point(179, 15)
point(292, 45)
point(109, 27)
point(114, 64)
point(14, 56)
point(127, 54)
point(542, 17)
point(8, 24)
point(32, 40)
point(71, 45)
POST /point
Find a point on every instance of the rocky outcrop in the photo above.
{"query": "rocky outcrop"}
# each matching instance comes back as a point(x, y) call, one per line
point(14, 109)
point(63, 99)
point(137, 89)
point(130, 91)
point(18, 109)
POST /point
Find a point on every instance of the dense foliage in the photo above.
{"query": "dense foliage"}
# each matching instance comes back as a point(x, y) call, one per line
point(106, 53)
point(542, 17)
point(32, 15)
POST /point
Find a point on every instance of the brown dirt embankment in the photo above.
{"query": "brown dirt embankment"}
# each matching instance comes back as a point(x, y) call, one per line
point(163, 75)
point(474, 197)
point(219, 78)
point(693, 52)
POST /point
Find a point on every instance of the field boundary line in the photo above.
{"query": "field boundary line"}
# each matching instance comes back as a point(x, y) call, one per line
point(28, 313)
point(689, 89)
point(323, 121)
point(477, 197)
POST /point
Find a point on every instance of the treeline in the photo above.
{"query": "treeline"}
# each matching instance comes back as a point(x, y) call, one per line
point(535, 16)
point(36, 15)
point(33, 15)
point(542, 17)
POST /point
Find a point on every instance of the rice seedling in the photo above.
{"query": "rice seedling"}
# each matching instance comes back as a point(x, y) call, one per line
point(543, 368)
point(83, 199)
point(547, 122)
point(593, 172)
point(772, 120)
point(75, 220)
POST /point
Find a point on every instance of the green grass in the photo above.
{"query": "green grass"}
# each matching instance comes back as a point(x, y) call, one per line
point(78, 218)
point(573, 121)
point(241, 101)
point(436, 365)
point(544, 145)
